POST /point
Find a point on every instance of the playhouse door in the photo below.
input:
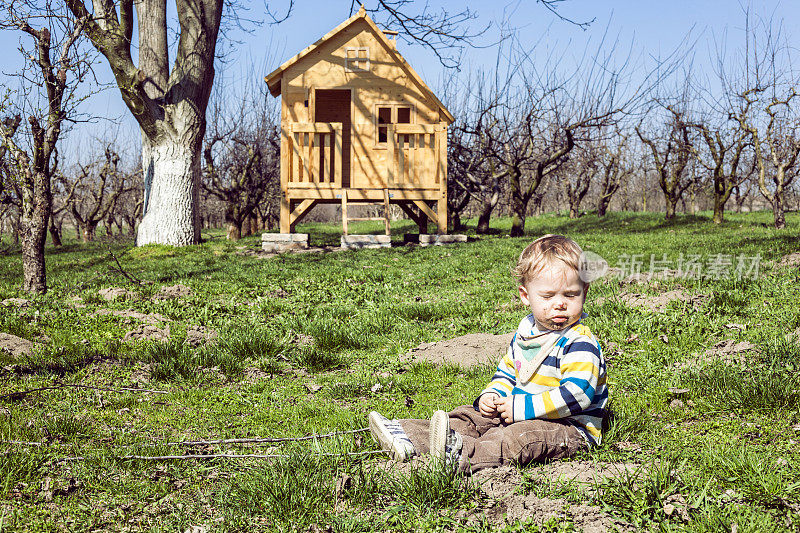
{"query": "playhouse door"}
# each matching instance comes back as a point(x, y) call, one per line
point(333, 105)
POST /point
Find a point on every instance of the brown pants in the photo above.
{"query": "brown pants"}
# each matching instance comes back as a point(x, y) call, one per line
point(490, 442)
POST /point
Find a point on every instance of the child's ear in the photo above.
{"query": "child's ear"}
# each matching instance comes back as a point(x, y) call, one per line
point(523, 295)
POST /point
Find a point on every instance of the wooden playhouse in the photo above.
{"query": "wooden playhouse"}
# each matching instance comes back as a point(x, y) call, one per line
point(358, 125)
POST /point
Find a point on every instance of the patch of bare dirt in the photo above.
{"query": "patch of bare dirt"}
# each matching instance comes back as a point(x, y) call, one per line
point(466, 351)
point(789, 260)
point(658, 302)
point(507, 504)
point(727, 351)
point(172, 292)
point(147, 332)
point(19, 303)
point(15, 346)
point(130, 315)
point(199, 335)
point(111, 294)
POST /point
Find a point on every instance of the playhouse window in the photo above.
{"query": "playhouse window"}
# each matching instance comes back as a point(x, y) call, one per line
point(356, 59)
point(391, 114)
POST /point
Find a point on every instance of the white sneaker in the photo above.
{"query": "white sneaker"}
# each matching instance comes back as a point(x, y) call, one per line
point(445, 443)
point(391, 436)
point(439, 430)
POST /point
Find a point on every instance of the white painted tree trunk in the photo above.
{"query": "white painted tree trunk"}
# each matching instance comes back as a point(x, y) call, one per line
point(171, 193)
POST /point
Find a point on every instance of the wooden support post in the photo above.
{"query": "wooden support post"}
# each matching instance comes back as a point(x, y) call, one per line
point(427, 213)
point(302, 209)
point(441, 208)
point(441, 215)
point(286, 155)
point(408, 209)
point(386, 209)
point(344, 211)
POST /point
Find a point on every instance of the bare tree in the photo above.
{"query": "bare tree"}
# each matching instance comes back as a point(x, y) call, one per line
point(671, 150)
point(578, 174)
point(780, 139)
point(761, 96)
point(561, 107)
point(242, 158)
point(616, 167)
point(95, 191)
point(56, 64)
point(474, 170)
point(724, 147)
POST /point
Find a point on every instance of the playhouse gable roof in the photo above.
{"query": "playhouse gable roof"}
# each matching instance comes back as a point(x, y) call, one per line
point(274, 78)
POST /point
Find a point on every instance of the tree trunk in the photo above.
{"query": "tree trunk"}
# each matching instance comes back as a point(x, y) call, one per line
point(234, 231)
point(517, 216)
point(671, 205)
point(88, 231)
point(455, 218)
point(518, 206)
point(778, 210)
point(171, 188)
point(34, 224)
point(602, 205)
point(485, 216)
point(55, 233)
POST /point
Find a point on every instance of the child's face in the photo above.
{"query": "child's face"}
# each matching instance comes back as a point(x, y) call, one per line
point(555, 296)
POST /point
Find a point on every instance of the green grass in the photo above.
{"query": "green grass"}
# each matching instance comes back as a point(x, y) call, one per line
point(310, 343)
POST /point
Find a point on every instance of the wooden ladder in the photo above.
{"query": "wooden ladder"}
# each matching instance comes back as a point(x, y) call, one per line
point(346, 219)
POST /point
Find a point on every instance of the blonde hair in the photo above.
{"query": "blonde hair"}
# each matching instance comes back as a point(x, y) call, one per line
point(542, 252)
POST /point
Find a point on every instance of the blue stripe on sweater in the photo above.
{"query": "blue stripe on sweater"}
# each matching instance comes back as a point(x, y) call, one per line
point(582, 346)
point(505, 374)
point(570, 401)
point(583, 384)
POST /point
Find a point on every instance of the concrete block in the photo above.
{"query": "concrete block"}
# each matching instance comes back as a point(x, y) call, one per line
point(283, 242)
point(433, 239)
point(366, 241)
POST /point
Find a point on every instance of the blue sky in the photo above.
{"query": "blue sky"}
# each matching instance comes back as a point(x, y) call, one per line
point(652, 27)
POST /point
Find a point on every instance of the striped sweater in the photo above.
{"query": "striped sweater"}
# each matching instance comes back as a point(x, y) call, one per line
point(570, 383)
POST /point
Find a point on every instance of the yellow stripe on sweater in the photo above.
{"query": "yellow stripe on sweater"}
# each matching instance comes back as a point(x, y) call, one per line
point(545, 381)
point(580, 367)
point(549, 409)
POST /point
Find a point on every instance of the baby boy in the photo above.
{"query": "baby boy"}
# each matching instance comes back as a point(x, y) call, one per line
point(548, 396)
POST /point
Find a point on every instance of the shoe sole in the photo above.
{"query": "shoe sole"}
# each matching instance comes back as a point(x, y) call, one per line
point(383, 436)
point(440, 428)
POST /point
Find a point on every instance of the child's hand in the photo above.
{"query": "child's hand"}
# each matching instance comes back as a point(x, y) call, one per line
point(505, 409)
point(486, 404)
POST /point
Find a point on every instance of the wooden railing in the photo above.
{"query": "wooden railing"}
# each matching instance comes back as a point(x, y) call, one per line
point(316, 155)
point(415, 155)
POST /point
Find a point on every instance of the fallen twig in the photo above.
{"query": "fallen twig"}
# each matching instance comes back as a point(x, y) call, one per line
point(251, 440)
point(221, 456)
point(121, 270)
point(22, 443)
point(21, 394)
